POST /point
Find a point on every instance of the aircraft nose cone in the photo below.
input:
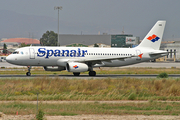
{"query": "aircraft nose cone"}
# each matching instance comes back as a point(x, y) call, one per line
point(9, 59)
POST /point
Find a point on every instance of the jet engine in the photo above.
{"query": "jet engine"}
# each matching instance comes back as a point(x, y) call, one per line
point(76, 67)
point(54, 68)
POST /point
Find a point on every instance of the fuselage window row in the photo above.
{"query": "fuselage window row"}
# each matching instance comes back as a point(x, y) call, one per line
point(89, 54)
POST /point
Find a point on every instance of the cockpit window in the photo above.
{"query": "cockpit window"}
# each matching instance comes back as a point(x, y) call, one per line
point(16, 52)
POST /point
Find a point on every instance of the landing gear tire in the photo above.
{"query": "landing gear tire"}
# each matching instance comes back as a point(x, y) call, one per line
point(29, 71)
point(92, 73)
point(28, 74)
point(76, 74)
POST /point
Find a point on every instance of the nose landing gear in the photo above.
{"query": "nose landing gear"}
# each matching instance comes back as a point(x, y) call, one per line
point(29, 70)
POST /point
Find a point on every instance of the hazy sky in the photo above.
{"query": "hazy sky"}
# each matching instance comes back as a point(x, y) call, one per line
point(109, 16)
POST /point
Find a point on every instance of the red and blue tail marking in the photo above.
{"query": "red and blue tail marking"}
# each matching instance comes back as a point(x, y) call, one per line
point(153, 38)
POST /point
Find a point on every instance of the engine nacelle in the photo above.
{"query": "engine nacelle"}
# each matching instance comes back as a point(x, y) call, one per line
point(76, 67)
point(54, 68)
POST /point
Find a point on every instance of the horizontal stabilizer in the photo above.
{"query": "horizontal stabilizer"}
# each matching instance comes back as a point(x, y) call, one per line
point(158, 52)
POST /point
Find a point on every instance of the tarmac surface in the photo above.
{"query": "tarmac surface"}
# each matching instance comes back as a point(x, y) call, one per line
point(140, 65)
point(87, 76)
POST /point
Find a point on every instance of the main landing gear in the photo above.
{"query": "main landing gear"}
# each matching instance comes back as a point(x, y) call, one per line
point(76, 73)
point(29, 69)
point(92, 73)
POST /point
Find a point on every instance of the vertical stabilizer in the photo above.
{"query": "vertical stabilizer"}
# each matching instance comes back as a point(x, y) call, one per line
point(154, 37)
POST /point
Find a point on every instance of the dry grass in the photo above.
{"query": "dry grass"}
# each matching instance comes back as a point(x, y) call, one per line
point(93, 89)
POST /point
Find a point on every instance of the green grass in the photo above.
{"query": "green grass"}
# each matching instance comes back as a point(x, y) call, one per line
point(71, 109)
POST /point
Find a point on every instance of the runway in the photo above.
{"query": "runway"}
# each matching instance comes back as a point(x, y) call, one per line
point(139, 65)
point(86, 76)
point(100, 76)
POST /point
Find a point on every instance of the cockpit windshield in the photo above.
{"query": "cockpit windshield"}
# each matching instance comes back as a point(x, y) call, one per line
point(16, 52)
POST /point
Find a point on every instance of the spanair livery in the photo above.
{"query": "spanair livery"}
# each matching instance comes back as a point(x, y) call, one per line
point(81, 59)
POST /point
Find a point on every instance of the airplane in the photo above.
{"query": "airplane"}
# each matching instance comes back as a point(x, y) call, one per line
point(81, 59)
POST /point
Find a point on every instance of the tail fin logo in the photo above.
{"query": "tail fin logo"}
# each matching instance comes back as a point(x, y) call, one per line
point(75, 66)
point(153, 38)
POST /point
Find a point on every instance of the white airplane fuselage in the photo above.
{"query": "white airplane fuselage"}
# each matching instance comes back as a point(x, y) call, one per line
point(81, 59)
point(43, 56)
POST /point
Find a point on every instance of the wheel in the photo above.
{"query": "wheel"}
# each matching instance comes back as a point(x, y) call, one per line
point(76, 74)
point(28, 74)
point(92, 73)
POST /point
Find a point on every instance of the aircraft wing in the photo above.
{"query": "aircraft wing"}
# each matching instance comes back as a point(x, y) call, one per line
point(99, 60)
point(112, 58)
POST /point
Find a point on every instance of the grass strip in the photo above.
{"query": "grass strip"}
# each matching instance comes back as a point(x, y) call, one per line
point(70, 109)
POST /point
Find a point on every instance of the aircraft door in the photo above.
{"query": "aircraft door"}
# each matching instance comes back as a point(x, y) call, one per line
point(138, 52)
point(31, 53)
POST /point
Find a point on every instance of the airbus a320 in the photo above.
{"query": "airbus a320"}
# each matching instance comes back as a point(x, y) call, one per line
point(81, 59)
